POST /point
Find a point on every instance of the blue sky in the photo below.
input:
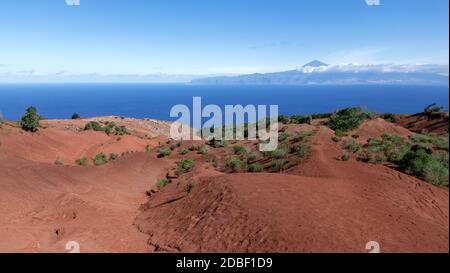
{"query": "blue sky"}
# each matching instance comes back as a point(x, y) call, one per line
point(47, 37)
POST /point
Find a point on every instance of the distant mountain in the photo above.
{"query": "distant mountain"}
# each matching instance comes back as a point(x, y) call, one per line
point(319, 73)
point(315, 63)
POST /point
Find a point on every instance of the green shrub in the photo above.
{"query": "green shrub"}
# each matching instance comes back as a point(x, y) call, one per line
point(279, 152)
point(203, 150)
point(184, 152)
point(436, 172)
point(347, 119)
point(100, 159)
point(251, 157)
point(184, 165)
point(302, 150)
point(239, 150)
point(162, 183)
point(442, 142)
point(298, 119)
point(81, 161)
point(352, 146)
point(283, 136)
point(193, 147)
point(283, 119)
point(75, 116)
point(416, 159)
point(234, 164)
point(30, 120)
point(163, 152)
point(255, 168)
point(94, 125)
point(389, 117)
point(278, 165)
point(302, 136)
point(419, 138)
point(120, 130)
point(335, 139)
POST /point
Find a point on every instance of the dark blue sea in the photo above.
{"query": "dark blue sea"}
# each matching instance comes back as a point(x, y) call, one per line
point(57, 101)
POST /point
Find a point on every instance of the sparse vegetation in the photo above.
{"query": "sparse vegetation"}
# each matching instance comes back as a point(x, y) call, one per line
point(335, 138)
point(255, 168)
point(203, 150)
point(351, 146)
point(81, 161)
point(183, 152)
point(100, 159)
point(283, 136)
point(234, 164)
point(163, 152)
point(389, 117)
point(240, 150)
point(277, 165)
point(30, 120)
point(109, 128)
point(421, 156)
point(302, 150)
point(299, 119)
point(161, 183)
point(184, 165)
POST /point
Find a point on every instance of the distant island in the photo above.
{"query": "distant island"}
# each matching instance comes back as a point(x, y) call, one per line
point(320, 73)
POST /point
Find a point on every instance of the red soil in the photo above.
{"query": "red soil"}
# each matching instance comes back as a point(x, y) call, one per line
point(321, 205)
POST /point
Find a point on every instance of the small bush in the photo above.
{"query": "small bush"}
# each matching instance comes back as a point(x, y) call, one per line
point(419, 138)
point(255, 168)
point(163, 152)
point(81, 161)
point(184, 165)
point(278, 165)
point(416, 159)
point(298, 119)
point(184, 152)
point(203, 150)
point(352, 146)
point(335, 139)
point(283, 119)
point(347, 119)
point(162, 183)
point(75, 116)
point(120, 130)
point(239, 150)
point(100, 159)
point(94, 125)
point(389, 117)
point(30, 120)
point(251, 157)
point(193, 147)
point(436, 172)
point(283, 136)
point(234, 164)
point(302, 150)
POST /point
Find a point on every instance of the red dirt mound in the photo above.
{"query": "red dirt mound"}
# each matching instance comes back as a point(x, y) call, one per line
point(420, 123)
point(376, 127)
point(287, 213)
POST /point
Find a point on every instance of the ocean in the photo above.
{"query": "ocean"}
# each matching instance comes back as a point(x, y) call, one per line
point(58, 101)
